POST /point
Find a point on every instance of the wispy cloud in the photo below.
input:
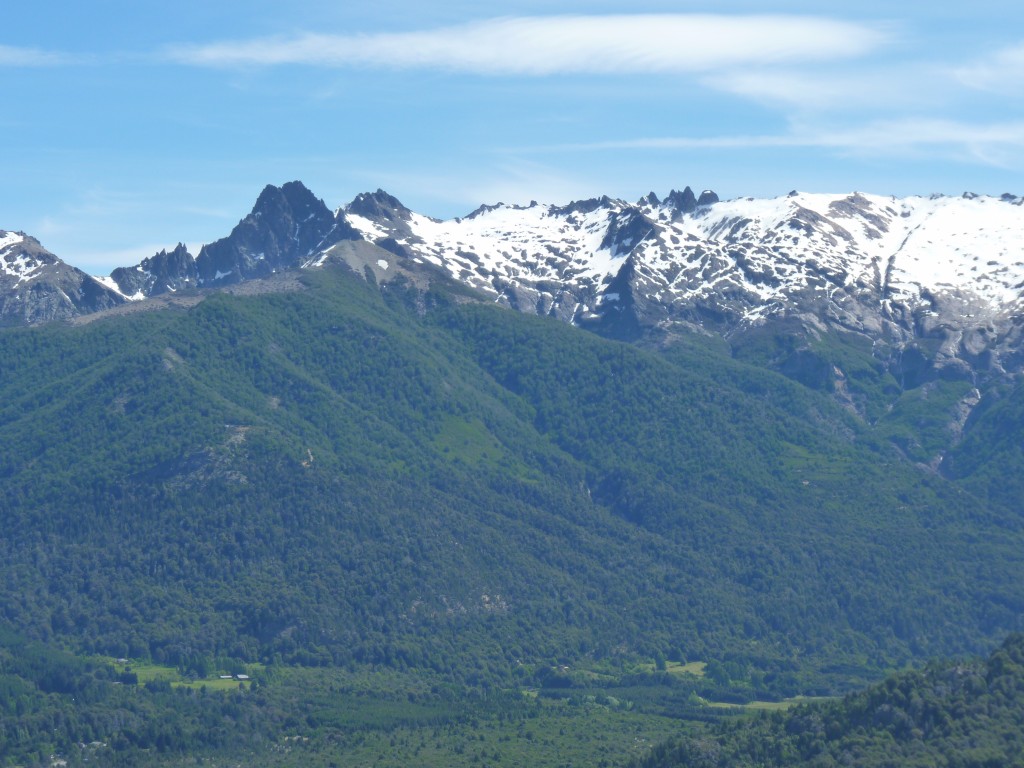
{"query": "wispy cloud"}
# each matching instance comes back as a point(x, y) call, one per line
point(1001, 72)
point(13, 56)
point(996, 144)
point(815, 90)
point(987, 142)
point(616, 44)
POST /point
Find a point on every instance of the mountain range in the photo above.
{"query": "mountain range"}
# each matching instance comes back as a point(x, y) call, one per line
point(908, 291)
point(942, 272)
point(782, 441)
point(905, 313)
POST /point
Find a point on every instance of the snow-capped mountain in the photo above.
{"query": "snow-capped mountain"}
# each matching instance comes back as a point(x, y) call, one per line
point(36, 286)
point(941, 273)
point(727, 263)
point(933, 285)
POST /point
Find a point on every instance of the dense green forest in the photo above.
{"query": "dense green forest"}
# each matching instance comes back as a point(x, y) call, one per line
point(99, 711)
point(364, 480)
point(964, 714)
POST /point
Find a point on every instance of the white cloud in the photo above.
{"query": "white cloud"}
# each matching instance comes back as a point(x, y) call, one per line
point(1001, 72)
point(622, 44)
point(12, 56)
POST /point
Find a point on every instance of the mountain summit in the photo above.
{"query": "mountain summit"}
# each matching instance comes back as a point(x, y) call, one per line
point(287, 226)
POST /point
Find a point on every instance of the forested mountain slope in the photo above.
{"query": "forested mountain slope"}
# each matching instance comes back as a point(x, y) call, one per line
point(352, 474)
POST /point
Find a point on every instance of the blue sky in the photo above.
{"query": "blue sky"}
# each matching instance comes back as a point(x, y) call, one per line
point(126, 127)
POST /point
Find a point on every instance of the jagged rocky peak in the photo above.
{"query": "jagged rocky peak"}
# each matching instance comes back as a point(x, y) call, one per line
point(679, 202)
point(684, 202)
point(287, 226)
point(180, 254)
point(378, 205)
point(161, 273)
point(177, 261)
point(291, 200)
